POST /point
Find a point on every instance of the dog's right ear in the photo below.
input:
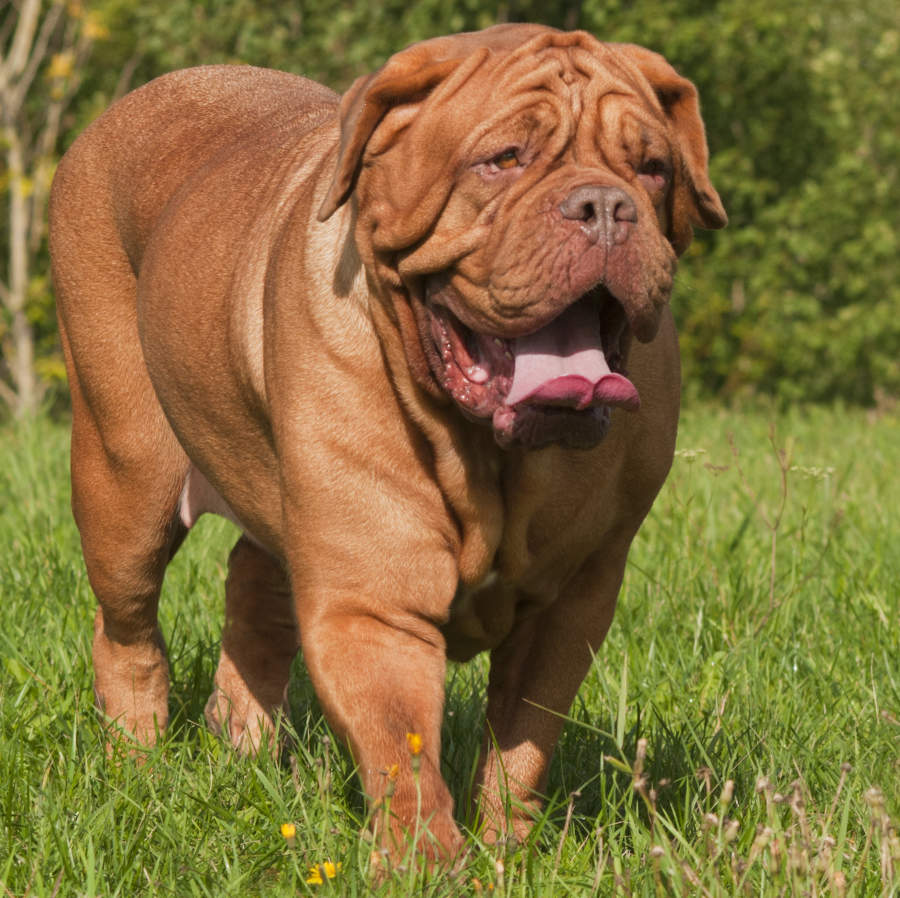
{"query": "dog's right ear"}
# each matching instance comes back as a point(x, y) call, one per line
point(696, 201)
point(407, 77)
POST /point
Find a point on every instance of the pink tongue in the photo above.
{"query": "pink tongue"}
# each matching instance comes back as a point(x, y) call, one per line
point(563, 364)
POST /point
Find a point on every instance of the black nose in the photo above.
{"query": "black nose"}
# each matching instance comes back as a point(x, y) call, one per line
point(607, 214)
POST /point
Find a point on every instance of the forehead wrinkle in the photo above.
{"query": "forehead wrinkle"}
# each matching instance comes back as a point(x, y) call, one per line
point(592, 124)
point(611, 71)
point(575, 77)
point(630, 73)
point(610, 74)
point(532, 80)
point(522, 104)
point(575, 80)
point(561, 68)
point(604, 76)
point(619, 134)
point(544, 70)
point(601, 80)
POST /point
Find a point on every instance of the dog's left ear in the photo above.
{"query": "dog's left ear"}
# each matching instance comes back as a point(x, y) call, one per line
point(697, 203)
point(407, 77)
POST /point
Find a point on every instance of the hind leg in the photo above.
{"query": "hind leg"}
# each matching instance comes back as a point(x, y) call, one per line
point(258, 644)
point(127, 465)
point(127, 473)
point(125, 489)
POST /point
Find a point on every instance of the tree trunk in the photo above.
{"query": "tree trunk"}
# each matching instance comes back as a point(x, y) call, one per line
point(20, 347)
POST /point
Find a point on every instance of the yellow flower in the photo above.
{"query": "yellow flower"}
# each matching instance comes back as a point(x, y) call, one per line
point(26, 186)
point(94, 29)
point(288, 830)
point(393, 771)
point(318, 873)
point(61, 65)
point(414, 741)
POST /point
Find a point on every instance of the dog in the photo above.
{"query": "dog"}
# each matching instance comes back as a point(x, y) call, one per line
point(416, 342)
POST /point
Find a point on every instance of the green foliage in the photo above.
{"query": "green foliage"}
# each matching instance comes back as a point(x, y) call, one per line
point(798, 298)
point(755, 644)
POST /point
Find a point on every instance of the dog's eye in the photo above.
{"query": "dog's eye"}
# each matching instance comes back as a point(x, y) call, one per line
point(507, 159)
point(504, 166)
point(654, 174)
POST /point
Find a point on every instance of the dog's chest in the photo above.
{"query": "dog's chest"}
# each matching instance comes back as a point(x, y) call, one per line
point(553, 520)
point(483, 614)
point(480, 617)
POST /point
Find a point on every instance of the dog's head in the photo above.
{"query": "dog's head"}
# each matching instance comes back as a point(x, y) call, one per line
point(522, 195)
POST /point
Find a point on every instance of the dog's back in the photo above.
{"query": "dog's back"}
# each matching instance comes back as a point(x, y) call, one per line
point(119, 175)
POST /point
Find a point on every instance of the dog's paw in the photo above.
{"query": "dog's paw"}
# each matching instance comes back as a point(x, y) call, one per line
point(131, 689)
point(235, 714)
point(435, 843)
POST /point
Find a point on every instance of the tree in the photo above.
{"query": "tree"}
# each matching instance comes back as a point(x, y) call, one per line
point(797, 298)
point(43, 50)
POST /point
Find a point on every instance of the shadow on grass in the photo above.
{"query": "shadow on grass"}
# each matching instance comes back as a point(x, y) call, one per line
point(685, 766)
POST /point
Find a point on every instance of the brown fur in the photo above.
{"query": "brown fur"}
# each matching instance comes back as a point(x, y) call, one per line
point(236, 254)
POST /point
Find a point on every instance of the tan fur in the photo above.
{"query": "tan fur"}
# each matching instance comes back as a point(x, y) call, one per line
point(235, 253)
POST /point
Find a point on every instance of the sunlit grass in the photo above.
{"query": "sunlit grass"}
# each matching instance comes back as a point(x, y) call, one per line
point(738, 733)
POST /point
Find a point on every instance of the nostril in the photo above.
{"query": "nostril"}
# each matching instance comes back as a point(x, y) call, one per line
point(580, 205)
point(625, 210)
point(606, 213)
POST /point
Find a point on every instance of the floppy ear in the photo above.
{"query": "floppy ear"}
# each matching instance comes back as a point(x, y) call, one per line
point(678, 98)
point(406, 77)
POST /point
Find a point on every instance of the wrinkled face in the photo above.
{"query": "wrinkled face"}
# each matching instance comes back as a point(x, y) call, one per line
point(526, 208)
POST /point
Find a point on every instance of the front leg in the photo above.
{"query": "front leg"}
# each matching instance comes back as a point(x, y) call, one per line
point(534, 676)
point(377, 662)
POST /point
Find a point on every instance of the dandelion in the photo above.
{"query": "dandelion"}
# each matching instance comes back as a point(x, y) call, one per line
point(288, 830)
point(320, 873)
point(393, 771)
point(414, 741)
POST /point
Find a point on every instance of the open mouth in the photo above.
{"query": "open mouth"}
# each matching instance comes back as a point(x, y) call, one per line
point(556, 385)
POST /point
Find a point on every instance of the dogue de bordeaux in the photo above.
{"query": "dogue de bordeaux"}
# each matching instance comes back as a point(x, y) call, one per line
point(415, 341)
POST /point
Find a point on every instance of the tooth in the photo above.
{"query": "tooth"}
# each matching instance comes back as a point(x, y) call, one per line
point(476, 374)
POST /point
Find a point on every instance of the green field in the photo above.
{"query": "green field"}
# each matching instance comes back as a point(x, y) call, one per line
point(739, 734)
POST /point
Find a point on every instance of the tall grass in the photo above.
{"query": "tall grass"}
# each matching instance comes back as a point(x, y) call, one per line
point(739, 733)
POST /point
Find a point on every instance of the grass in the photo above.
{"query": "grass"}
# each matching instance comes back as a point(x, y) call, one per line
point(738, 734)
